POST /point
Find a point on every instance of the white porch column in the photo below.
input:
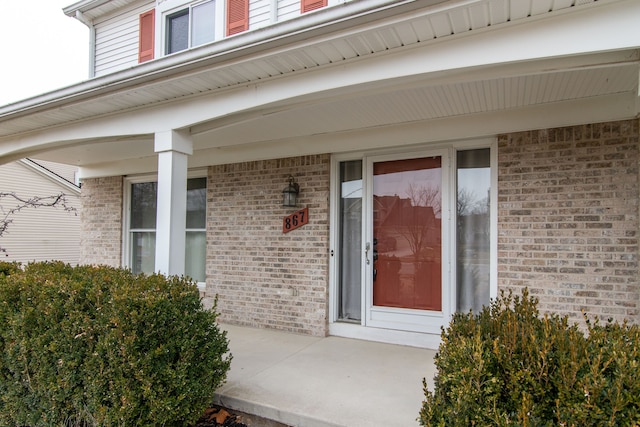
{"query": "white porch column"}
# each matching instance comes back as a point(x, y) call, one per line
point(173, 148)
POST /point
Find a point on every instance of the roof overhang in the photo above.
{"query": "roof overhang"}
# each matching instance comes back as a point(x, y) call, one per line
point(406, 72)
point(95, 8)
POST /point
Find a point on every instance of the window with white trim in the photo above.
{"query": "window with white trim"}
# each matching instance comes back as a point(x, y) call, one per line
point(142, 227)
point(191, 26)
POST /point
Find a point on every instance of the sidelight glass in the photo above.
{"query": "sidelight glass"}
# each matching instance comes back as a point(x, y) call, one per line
point(473, 172)
point(349, 261)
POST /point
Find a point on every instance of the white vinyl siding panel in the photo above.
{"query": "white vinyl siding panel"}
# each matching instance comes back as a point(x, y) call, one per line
point(67, 172)
point(259, 13)
point(44, 233)
point(288, 9)
point(117, 39)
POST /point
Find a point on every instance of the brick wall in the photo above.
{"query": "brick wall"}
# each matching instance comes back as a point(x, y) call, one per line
point(101, 221)
point(568, 218)
point(265, 278)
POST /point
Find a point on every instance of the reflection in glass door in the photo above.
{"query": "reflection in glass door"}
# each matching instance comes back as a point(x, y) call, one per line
point(407, 230)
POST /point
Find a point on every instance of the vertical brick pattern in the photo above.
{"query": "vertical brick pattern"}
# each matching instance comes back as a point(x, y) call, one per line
point(262, 277)
point(101, 219)
point(568, 218)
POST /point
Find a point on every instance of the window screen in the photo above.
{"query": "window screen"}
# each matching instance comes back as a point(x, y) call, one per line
point(178, 31)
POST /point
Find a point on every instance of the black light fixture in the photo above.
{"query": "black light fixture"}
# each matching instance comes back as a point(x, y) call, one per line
point(290, 194)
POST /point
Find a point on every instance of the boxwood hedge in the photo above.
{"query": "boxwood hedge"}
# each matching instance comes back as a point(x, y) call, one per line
point(101, 346)
point(509, 366)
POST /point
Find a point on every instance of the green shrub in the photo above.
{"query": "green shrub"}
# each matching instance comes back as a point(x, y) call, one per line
point(100, 346)
point(7, 268)
point(508, 366)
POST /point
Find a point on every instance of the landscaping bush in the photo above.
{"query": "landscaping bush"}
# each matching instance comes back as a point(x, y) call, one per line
point(508, 366)
point(7, 268)
point(100, 346)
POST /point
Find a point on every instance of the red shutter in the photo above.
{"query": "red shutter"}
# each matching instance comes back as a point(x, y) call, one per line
point(237, 16)
point(309, 5)
point(147, 35)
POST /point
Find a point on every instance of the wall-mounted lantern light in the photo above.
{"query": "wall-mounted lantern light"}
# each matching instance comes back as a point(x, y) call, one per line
point(290, 194)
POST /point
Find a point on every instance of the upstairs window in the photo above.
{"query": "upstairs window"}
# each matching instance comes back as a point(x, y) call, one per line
point(189, 27)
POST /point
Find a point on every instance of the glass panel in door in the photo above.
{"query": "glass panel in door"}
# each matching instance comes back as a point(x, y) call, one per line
point(407, 233)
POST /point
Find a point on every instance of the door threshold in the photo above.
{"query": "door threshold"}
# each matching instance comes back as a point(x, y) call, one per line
point(389, 336)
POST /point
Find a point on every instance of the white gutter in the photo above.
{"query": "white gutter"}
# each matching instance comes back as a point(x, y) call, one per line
point(92, 42)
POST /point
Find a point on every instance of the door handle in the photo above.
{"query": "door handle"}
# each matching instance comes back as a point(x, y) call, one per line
point(367, 248)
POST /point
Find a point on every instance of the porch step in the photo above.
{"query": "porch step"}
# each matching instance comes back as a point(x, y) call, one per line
point(307, 381)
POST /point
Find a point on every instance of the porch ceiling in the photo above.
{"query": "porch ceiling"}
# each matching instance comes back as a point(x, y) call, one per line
point(400, 27)
point(420, 101)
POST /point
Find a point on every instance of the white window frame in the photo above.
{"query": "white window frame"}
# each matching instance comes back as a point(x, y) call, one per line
point(169, 7)
point(126, 215)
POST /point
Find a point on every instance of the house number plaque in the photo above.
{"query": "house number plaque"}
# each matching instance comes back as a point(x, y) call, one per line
point(295, 220)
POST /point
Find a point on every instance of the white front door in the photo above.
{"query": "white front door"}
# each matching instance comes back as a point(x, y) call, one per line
point(406, 263)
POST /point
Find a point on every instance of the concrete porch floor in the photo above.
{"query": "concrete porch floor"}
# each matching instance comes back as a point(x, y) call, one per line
point(308, 381)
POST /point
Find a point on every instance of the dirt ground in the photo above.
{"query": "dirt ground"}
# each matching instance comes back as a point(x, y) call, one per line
point(216, 416)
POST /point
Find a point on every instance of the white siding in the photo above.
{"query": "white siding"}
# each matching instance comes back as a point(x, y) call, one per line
point(117, 39)
point(38, 234)
point(288, 9)
point(67, 172)
point(259, 13)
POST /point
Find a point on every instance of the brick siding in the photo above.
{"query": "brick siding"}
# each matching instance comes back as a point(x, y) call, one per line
point(568, 202)
point(101, 221)
point(265, 278)
point(568, 218)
